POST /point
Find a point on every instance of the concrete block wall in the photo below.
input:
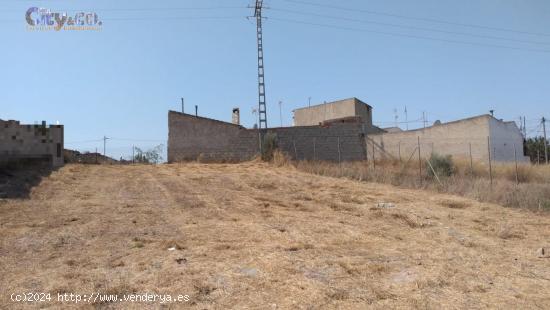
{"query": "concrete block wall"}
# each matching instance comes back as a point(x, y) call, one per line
point(18, 141)
point(192, 137)
point(336, 142)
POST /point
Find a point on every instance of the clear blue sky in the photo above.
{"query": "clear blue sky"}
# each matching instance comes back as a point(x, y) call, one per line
point(121, 81)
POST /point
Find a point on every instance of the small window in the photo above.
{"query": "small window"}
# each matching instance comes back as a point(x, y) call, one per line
point(13, 137)
point(59, 150)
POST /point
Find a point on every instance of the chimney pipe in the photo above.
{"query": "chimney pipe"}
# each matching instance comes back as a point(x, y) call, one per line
point(236, 116)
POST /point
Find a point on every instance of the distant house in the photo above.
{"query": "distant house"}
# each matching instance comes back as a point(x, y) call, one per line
point(480, 134)
point(346, 110)
point(42, 142)
point(341, 131)
point(476, 136)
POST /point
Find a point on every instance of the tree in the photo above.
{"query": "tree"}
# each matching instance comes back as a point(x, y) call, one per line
point(534, 148)
point(151, 156)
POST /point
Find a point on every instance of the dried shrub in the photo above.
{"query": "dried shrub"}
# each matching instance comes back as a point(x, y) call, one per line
point(269, 145)
point(442, 165)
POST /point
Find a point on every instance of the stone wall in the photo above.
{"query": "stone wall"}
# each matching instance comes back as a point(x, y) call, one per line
point(19, 141)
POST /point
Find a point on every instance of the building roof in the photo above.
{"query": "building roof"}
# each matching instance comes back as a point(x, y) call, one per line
point(332, 102)
point(392, 129)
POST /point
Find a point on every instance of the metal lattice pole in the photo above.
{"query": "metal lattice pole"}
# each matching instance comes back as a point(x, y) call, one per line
point(262, 114)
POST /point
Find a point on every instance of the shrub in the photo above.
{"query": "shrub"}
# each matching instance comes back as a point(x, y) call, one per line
point(269, 145)
point(442, 165)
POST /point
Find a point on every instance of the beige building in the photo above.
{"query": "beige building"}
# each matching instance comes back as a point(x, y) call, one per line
point(330, 111)
point(19, 141)
point(477, 136)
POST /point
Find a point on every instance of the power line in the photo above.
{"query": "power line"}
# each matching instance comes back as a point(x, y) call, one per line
point(85, 141)
point(174, 18)
point(416, 18)
point(408, 27)
point(157, 18)
point(409, 36)
point(144, 9)
point(165, 9)
point(137, 140)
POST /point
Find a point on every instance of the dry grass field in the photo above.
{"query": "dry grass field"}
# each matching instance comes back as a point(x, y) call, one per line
point(256, 236)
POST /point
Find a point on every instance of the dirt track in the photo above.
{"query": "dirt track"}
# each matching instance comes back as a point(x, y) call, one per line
point(254, 236)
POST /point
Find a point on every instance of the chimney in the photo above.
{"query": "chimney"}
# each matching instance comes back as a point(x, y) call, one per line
point(236, 119)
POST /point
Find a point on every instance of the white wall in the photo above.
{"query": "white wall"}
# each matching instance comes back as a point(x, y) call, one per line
point(453, 138)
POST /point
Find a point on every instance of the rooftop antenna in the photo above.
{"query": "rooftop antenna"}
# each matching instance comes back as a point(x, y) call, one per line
point(105, 145)
point(254, 113)
point(281, 112)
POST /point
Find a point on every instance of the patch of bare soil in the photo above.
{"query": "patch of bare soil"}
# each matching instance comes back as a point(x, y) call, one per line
point(254, 236)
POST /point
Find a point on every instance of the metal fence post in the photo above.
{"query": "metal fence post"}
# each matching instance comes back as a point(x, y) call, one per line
point(339, 155)
point(471, 160)
point(490, 164)
point(373, 157)
point(419, 163)
point(314, 150)
point(516, 160)
point(399, 150)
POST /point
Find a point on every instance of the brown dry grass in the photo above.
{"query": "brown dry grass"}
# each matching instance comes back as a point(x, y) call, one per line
point(256, 236)
point(532, 192)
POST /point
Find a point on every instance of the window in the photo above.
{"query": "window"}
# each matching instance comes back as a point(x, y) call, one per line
point(59, 150)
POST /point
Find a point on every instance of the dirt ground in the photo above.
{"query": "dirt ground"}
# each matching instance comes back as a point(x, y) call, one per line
point(259, 237)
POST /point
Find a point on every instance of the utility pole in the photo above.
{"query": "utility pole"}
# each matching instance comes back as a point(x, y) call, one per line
point(545, 141)
point(182, 105)
point(521, 126)
point(524, 128)
point(281, 112)
point(262, 114)
point(309, 101)
point(104, 145)
point(424, 119)
point(406, 118)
